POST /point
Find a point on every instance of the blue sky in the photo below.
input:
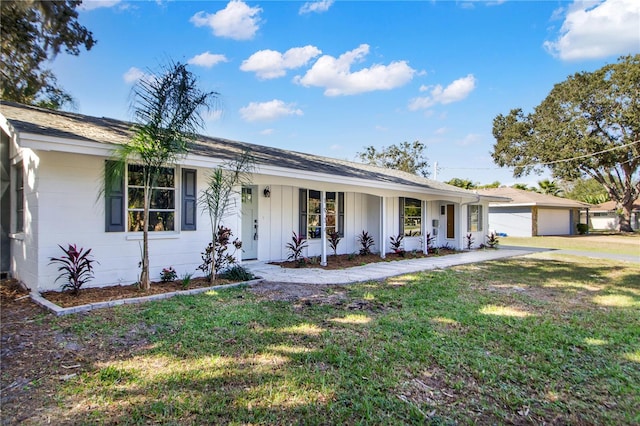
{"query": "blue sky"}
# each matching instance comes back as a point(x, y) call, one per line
point(331, 77)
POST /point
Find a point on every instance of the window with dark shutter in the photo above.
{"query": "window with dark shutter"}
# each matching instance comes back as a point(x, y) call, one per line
point(189, 200)
point(114, 196)
point(303, 214)
point(341, 214)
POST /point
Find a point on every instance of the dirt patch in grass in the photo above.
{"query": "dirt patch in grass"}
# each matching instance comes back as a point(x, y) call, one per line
point(36, 357)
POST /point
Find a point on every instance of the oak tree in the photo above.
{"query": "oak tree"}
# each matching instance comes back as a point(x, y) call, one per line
point(588, 126)
point(408, 157)
point(33, 32)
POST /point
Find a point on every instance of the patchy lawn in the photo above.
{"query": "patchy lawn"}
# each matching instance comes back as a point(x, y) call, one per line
point(524, 340)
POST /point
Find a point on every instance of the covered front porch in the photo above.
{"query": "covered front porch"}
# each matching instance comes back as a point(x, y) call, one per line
point(273, 210)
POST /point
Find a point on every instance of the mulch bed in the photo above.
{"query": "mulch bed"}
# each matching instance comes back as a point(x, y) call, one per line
point(89, 295)
point(343, 261)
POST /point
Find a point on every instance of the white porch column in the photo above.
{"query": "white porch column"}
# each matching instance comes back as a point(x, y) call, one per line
point(425, 227)
point(323, 228)
point(383, 227)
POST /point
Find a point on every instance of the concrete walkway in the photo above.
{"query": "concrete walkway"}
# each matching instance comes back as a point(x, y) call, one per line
point(377, 271)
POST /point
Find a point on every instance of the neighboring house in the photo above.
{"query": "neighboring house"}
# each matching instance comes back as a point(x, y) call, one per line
point(604, 217)
point(52, 174)
point(531, 214)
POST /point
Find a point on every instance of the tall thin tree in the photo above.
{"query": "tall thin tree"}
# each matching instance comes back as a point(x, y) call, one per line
point(167, 110)
point(217, 198)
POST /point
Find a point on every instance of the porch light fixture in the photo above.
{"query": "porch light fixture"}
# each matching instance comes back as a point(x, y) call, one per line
point(267, 192)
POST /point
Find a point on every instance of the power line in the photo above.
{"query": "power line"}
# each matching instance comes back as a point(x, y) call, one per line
point(565, 160)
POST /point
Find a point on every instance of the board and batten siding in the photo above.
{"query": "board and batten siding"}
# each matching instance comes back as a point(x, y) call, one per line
point(279, 216)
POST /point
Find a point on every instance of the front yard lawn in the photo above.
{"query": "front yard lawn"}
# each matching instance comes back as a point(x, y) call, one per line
point(524, 341)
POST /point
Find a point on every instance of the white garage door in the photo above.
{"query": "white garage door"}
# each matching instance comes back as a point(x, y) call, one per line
point(554, 222)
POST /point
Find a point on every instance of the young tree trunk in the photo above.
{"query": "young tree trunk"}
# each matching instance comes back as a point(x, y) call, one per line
point(144, 275)
point(212, 278)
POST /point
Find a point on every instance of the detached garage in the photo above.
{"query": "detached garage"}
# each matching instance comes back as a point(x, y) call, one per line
point(530, 214)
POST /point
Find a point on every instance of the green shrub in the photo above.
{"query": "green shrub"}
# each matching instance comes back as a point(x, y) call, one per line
point(168, 274)
point(237, 273)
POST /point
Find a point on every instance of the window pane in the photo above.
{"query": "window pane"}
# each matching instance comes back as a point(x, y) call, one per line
point(19, 212)
point(161, 221)
point(412, 226)
point(162, 199)
point(158, 221)
point(136, 198)
point(412, 217)
point(135, 175)
point(165, 179)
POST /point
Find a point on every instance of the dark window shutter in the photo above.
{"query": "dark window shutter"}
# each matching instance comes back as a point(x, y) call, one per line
point(303, 214)
point(341, 214)
point(189, 200)
point(114, 197)
point(401, 199)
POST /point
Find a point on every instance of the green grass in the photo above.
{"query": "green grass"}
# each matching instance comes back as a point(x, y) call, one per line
point(628, 244)
point(518, 341)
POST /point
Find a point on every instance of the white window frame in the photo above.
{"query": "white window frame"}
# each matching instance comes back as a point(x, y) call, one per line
point(19, 200)
point(174, 210)
point(404, 217)
point(474, 218)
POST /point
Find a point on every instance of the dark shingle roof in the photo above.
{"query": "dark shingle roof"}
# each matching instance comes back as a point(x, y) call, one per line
point(30, 119)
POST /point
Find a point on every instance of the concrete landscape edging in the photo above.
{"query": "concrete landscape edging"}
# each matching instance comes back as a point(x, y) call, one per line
point(60, 311)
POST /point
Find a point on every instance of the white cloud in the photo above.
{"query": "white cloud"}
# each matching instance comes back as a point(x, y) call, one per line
point(273, 64)
point(267, 132)
point(441, 131)
point(456, 91)
point(133, 74)
point(207, 59)
point(335, 75)
point(315, 6)
point(236, 21)
point(97, 4)
point(267, 111)
point(593, 30)
point(469, 139)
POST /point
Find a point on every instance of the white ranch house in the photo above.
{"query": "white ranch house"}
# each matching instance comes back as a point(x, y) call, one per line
point(52, 171)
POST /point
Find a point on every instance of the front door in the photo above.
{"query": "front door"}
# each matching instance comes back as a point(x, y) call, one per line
point(249, 223)
point(451, 222)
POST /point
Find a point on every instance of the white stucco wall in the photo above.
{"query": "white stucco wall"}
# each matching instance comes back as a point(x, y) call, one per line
point(24, 245)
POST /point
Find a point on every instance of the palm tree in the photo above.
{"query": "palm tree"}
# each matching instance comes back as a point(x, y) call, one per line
point(549, 187)
point(166, 108)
